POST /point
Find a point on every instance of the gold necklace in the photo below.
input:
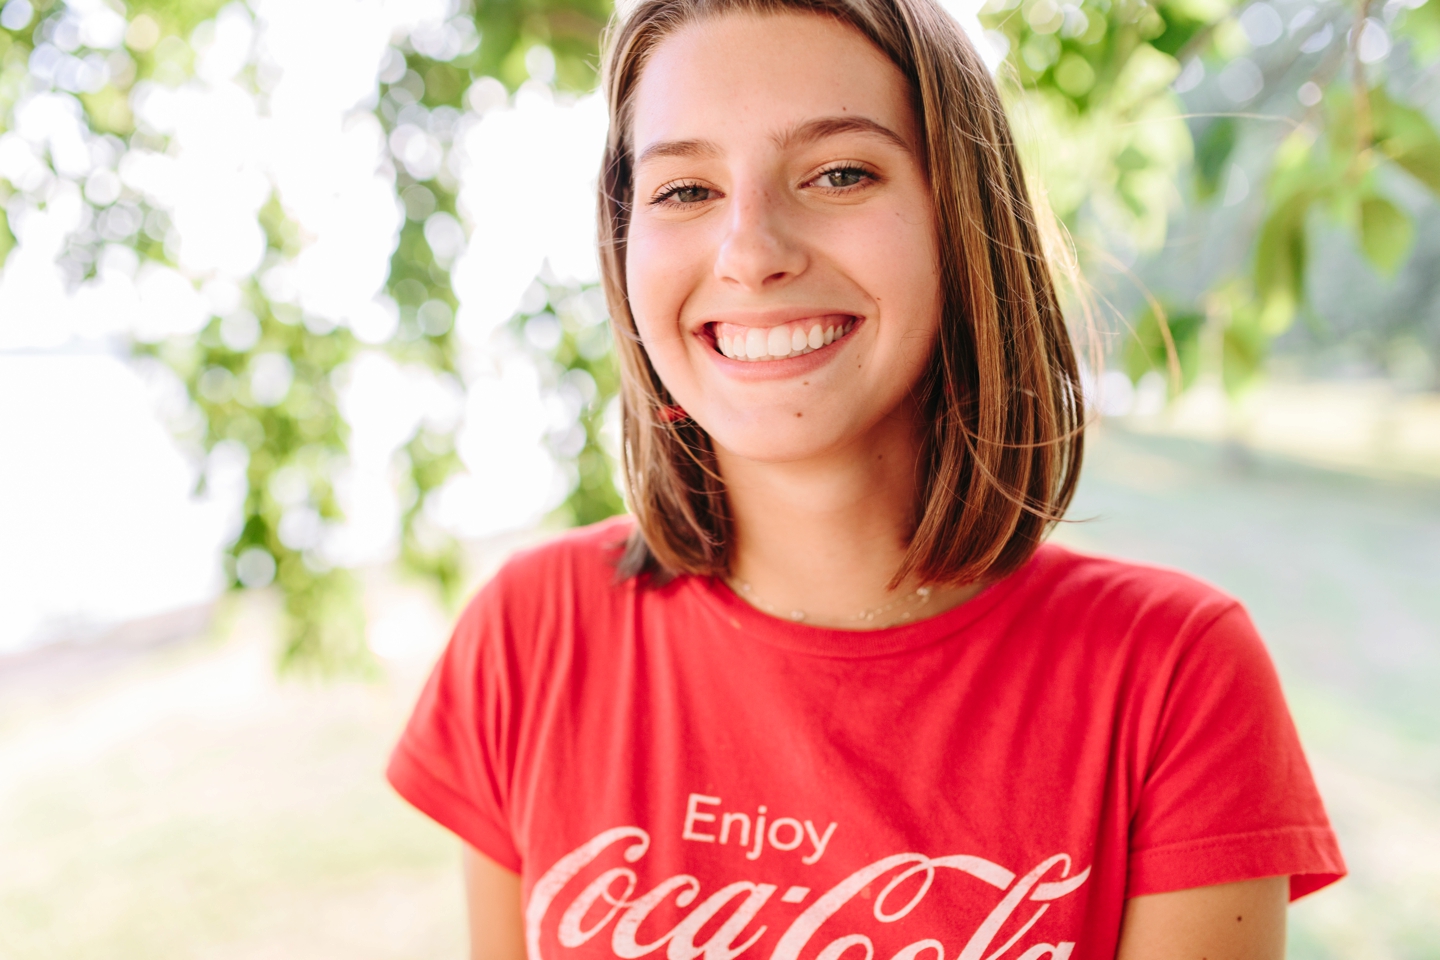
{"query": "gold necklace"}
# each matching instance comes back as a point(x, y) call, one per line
point(919, 596)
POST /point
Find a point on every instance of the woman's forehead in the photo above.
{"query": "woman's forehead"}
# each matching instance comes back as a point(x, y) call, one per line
point(739, 76)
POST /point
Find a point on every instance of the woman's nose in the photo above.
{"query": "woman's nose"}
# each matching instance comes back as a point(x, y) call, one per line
point(758, 252)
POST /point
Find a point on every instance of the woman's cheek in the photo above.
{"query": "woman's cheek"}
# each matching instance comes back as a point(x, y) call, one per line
point(644, 281)
point(657, 281)
point(894, 251)
point(896, 260)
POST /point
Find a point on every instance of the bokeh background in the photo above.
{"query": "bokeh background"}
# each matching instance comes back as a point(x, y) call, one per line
point(299, 338)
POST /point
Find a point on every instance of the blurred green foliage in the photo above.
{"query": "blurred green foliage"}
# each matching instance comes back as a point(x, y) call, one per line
point(1175, 339)
point(1096, 82)
point(294, 442)
point(427, 89)
point(1160, 333)
point(569, 339)
point(1212, 154)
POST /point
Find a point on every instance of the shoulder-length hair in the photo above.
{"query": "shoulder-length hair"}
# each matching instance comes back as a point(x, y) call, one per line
point(1001, 397)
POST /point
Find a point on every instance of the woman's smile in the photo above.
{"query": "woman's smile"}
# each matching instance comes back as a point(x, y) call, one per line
point(752, 344)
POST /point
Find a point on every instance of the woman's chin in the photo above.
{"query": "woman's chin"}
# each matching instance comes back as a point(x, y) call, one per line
point(771, 439)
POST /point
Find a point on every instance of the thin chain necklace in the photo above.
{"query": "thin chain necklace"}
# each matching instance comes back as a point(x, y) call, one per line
point(919, 597)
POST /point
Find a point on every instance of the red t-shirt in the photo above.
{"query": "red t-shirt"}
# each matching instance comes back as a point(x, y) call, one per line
point(674, 773)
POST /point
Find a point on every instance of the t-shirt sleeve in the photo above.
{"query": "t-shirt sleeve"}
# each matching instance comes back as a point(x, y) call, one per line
point(1227, 794)
point(454, 759)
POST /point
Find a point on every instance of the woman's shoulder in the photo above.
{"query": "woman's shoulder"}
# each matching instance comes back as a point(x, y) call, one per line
point(551, 580)
point(581, 555)
point(1082, 570)
point(1126, 596)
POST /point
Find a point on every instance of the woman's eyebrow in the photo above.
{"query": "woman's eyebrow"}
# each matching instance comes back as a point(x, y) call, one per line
point(677, 148)
point(818, 129)
point(799, 135)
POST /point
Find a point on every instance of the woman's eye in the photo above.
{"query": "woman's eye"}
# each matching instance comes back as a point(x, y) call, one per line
point(684, 193)
point(842, 177)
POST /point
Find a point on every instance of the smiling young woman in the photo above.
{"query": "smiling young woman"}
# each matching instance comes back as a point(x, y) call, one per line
point(825, 695)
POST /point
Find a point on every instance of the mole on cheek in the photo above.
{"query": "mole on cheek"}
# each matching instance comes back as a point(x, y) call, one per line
point(801, 415)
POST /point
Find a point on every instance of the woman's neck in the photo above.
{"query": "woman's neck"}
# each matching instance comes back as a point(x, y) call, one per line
point(825, 536)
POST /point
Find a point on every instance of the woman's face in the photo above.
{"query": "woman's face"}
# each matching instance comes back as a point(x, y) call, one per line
point(782, 261)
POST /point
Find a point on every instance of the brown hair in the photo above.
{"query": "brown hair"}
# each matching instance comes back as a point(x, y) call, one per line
point(1001, 396)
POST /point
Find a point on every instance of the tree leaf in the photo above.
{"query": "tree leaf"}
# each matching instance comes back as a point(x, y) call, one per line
point(7, 239)
point(1280, 255)
point(1407, 137)
point(1423, 163)
point(1244, 347)
point(1422, 26)
point(1386, 234)
point(1146, 348)
point(1212, 153)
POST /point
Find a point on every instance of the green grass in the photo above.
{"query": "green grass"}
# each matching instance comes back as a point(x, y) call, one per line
point(238, 823)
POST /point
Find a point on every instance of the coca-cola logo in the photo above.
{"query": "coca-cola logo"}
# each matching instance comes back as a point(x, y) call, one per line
point(609, 905)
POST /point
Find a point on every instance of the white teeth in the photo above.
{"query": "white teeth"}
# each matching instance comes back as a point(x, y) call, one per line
point(755, 340)
point(777, 343)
